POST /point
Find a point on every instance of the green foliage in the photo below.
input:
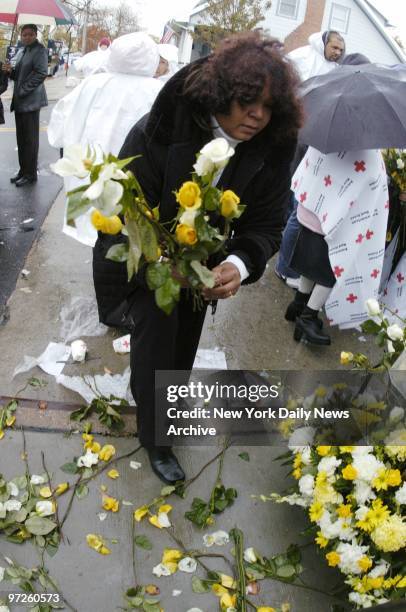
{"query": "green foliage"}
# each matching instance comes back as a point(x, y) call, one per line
point(107, 410)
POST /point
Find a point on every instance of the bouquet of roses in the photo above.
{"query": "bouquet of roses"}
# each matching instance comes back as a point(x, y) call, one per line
point(174, 255)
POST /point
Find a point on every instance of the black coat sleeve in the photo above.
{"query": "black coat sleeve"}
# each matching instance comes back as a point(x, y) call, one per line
point(3, 81)
point(258, 232)
point(38, 74)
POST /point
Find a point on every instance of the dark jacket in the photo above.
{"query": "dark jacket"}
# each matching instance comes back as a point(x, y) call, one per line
point(3, 87)
point(168, 140)
point(29, 74)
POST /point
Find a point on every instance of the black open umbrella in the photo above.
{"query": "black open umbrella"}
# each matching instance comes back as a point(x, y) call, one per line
point(355, 107)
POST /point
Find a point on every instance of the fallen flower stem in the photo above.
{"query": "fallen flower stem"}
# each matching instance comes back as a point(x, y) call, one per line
point(238, 538)
point(52, 497)
point(206, 465)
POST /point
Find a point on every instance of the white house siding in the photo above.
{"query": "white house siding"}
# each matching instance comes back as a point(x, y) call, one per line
point(362, 35)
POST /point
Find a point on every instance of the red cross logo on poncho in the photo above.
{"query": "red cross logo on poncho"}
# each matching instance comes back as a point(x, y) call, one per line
point(375, 273)
point(352, 298)
point(359, 239)
point(400, 277)
point(303, 197)
point(369, 234)
point(338, 271)
point(126, 344)
point(359, 166)
point(327, 180)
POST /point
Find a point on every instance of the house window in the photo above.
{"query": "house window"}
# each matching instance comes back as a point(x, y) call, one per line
point(288, 8)
point(339, 18)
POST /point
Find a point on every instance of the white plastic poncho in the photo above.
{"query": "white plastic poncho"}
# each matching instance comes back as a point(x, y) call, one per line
point(170, 53)
point(309, 61)
point(93, 62)
point(104, 107)
point(394, 294)
point(348, 193)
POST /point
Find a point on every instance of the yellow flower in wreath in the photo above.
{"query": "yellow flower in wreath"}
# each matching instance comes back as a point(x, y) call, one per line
point(333, 558)
point(349, 472)
point(106, 225)
point(185, 234)
point(189, 196)
point(229, 202)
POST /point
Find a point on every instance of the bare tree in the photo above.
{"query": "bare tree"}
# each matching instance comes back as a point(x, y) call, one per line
point(225, 17)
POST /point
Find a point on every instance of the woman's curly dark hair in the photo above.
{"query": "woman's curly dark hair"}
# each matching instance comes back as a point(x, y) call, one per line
point(238, 70)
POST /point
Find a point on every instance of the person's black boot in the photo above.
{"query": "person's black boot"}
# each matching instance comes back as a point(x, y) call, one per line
point(165, 465)
point(295, 308)
point(16, 177)
point(307, 327)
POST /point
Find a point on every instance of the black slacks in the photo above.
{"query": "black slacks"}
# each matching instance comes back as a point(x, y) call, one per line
point(27, 127)
point(159, 342)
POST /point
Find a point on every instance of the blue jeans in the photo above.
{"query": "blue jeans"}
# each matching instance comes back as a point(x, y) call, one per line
point(289, 238)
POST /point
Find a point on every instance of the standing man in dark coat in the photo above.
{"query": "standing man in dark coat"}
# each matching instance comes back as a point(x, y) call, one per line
point(29, 74)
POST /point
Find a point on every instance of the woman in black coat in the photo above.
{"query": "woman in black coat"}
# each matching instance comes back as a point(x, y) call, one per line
point(244, 92)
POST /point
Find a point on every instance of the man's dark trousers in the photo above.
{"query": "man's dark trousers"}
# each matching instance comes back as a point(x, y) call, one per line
point(27, 127)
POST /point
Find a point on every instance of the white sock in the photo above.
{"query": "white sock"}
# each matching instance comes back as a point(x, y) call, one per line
point(305, 285)
point(319, 297)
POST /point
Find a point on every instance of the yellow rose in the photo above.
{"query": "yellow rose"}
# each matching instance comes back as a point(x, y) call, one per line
point(185, 234)
point(45, 492)
point(107, 452)
point(228, 601)
point(346, 358)
point(189, 196)
point(61, 488)
point(229, 204)
point(140, 513)
point(110, 503)
point(106, 225)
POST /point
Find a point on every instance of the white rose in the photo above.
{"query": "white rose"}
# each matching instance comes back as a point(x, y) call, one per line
point(44, 508)
point(363, 492)
point(301, 437)
point(88, 460)
point(188, 217)
point(37, 480)
point(249, 555)
point(306, 485)
point(400, 163)
point(373, 307)
point(396, 414)
point(163, 520)
point(390, 346)
point(203, 166)
point(218, 151)
point(73, 162)
point(329, 465)
point(307, 455)
point(395, 332)
point(12, 505)
point(161, 570)
point(188, 565)
point(379, 570)
point(12, 489)
point(367, 467)
point(400, 495)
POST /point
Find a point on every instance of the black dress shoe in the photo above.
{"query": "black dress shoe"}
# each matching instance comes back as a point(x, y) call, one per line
point(25, 180)
point(165, 465)
point(296, 307)
point(307, 327)
point(16, 177)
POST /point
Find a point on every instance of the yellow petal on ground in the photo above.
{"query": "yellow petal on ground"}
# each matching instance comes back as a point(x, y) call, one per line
point(219, 590)
point(171, 554)
point(265, 609)
point(139, 513)
point(94, 541)
point(154, 521)
point(165, 509)
point(107, 452)
point(172, 566)
point(113, 474)
point(45, 492)
point(110, 503)
point(103, 488)
point(87, 437)
point(10, 421)
point(104, 550)
point(61, 488)
point(227, 581)
point(228, 601)
point(1, 434)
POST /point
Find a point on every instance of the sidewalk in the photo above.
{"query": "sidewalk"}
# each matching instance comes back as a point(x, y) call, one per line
point(60, 269)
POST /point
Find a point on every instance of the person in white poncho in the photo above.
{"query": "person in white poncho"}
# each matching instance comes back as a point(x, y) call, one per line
point(104, 107)
point(95, 61)
point(168, 64)
point(319, 56)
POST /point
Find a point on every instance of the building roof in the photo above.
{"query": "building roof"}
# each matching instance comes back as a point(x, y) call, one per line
point(381, 16)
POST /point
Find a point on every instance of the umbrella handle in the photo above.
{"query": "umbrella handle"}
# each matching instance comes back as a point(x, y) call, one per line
point(14, 29)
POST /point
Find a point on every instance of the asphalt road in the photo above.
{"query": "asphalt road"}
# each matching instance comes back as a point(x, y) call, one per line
point(20, 204)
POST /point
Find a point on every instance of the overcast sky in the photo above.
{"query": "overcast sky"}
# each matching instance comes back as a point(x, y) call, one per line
point(155, 13)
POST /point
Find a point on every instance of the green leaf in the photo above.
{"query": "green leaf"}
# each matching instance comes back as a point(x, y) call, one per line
point(165, 491)
point(286, 571)
point(149, 242)
point(82, 491)
point(244, 456)
point(200, 586)
point(370, 327)
point(204, 274)
point(134, 250)
point(143, 542)
point(69, 468)
point(37, 382)
point(157, 274)
point(151, 607)
point(80, 414)
point(77, 206)
point(212, 199)
point(39, 525)
point(118, 252)
point(167, 296)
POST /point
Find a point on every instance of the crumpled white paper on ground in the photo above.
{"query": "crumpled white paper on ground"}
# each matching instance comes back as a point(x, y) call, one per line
point(210, 359)
point(52, 360)
point(90, 387)
point(81, 318)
